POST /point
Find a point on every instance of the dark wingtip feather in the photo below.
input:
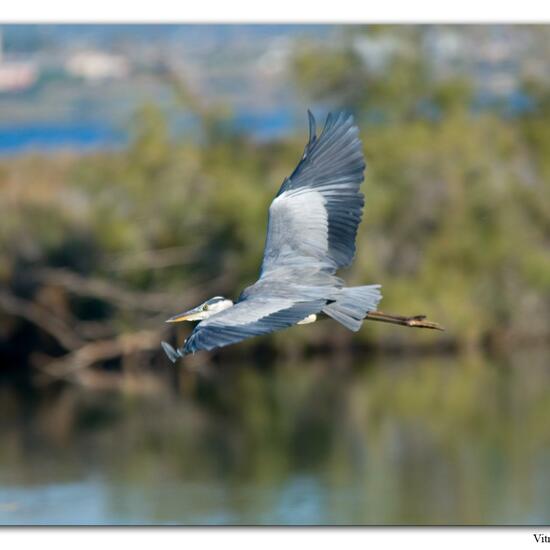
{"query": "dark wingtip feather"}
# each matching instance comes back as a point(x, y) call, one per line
point(312, 127)
point(173, 354)
point(328, 122)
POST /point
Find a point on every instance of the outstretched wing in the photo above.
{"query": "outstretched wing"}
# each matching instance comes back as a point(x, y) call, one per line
point(248, 318)
point(313, 219)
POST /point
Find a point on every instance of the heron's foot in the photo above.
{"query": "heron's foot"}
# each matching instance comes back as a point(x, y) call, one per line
point(172, 353)
point(417, 321)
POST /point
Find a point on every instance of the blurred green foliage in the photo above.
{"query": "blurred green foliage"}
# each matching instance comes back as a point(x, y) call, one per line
point(456, 225)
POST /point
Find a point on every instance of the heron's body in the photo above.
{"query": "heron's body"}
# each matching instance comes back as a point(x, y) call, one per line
point(311, 234)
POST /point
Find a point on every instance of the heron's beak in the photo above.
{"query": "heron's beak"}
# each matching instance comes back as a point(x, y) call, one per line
point(190, 315)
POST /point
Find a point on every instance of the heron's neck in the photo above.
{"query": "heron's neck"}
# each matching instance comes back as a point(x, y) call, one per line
point(219, 306)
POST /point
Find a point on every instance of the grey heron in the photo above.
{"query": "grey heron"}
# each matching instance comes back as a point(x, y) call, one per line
point(311, 232)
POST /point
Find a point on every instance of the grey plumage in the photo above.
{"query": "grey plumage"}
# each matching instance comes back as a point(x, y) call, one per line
point(256, 316)
point(311, 233)
point(331, 168)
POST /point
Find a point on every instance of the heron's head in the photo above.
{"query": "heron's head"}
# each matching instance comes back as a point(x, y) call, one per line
point(205, 310)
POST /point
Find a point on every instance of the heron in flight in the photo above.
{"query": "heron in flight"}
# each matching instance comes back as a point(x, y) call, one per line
point(311, 234)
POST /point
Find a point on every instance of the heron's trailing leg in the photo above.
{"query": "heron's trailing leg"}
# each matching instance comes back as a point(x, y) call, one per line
point(418, 321)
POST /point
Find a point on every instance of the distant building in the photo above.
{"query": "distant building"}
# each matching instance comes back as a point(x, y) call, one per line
point(96, 65)
point(16, 75)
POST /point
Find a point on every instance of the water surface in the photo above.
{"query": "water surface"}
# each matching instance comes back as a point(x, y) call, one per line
point(377, 441)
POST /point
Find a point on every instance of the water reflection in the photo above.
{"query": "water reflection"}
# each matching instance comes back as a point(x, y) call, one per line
point(386, 441)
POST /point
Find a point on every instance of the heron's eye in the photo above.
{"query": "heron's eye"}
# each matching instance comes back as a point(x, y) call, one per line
point(205, 307)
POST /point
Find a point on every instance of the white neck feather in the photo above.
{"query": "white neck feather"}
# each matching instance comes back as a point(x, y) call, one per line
point(217, 307)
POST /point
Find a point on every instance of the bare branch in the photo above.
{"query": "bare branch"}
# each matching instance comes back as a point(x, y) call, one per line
point(42, 318)
point(149, 302)
point(88, 286)
point(103, 350)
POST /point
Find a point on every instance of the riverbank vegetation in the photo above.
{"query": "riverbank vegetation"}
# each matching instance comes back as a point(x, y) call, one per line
point(98, 250)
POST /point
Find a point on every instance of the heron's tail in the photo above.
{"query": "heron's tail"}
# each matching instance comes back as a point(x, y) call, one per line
point(352, 304)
